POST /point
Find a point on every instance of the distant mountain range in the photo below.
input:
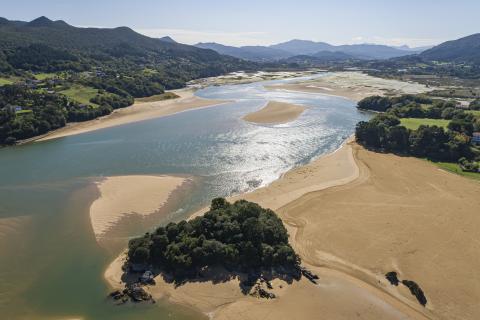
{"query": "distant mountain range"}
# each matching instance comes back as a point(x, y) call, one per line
point(301, 48)
point(465, 49)
point(46, 45)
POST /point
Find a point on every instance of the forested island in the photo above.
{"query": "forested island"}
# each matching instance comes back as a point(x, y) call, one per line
point(417, 125)
point(238, 237)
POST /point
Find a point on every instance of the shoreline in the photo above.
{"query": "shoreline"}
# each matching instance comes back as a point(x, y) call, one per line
point(310, 200)
point(298, 198)
point(139, 111)
point(219, 301)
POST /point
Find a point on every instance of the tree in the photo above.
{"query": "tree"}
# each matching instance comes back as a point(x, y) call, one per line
point(375, 103)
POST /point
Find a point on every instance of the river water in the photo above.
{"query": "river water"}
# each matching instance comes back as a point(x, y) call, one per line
point(51, 265)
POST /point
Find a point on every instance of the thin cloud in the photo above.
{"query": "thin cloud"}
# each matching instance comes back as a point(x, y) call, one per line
point(411, 42)
point(194, 36)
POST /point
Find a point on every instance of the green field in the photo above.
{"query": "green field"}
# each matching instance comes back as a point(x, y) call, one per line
point(455, 168)
point(4, 81)
point(81, 94)
point(43, 76)
point(158, 97)
point(414, 123)
point(476, 113)
point(23, 112)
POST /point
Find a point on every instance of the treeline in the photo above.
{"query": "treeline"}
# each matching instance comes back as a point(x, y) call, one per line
point(239, 237)
point(385, 132)
point(26, 113)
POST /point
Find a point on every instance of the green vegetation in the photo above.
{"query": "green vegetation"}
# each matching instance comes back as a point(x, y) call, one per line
point(80, 93)
point(422, 127)
point(240, 237)
point(455, 168)
point(45, 76)
point(159, 97)
point(475, 105)
point(415, 123)
point(78, 74)
point(5, 81)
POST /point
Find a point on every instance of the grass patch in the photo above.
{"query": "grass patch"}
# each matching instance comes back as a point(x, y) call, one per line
point(81, 94)
point(455, 168)
point(159, 97)
point(23, 112)
point(476, 113)
point(44, 76)
point(4, 81)
point(414, 123)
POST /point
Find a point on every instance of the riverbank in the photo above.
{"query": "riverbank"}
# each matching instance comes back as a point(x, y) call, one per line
point(139, 111)
point(121, 196)
point(275, 113)
point(353, 216)
point(352, 85)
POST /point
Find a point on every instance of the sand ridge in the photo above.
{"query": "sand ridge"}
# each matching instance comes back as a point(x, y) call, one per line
point(275, 112)
point(124, 195)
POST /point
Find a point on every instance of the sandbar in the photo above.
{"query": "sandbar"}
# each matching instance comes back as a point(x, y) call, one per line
point(124, 195)
point(275, 112)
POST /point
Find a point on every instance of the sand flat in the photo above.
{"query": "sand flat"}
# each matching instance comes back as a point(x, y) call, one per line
point(123, 195)
point(139, 111)
point(275, 113)
point(403, 215)
point(353, 216)
point(353, 85)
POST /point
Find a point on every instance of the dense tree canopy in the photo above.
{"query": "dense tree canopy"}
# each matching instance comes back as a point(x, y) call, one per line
point(385, 132)
point(240, 237)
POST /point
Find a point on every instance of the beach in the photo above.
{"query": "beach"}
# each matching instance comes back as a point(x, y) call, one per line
point(275, 112)
point(353, 216)
point(352, 85)
point(139, 111)
point(121, 196)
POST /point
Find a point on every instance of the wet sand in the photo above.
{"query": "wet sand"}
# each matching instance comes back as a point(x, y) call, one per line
point(275, 113)
point(353, 216)
point(126, 195)
point(139, 111)
point(353, 85)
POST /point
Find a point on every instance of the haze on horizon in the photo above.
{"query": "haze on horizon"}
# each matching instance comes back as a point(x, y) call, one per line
point(248, 22)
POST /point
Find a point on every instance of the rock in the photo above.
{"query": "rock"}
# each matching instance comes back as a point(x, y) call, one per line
point(115, 293)
point(392, 278)
point(416, 291)
point(309, 275)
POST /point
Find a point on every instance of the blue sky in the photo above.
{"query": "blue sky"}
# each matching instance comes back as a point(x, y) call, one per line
point(250, 22)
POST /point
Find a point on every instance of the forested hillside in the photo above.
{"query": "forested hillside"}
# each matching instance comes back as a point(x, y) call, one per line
point(83, 73)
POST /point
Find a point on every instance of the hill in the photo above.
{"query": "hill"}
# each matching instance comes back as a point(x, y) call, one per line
point(252, 53)
point(465, 49)
point(302, 48)
point(54, 73)
point(63, 46)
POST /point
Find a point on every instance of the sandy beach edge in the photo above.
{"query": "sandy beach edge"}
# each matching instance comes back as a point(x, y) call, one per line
point(139, 111)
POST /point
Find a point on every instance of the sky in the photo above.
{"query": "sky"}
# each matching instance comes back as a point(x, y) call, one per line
point(264, 22)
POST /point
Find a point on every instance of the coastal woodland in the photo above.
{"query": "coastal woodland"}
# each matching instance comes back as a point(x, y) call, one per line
point(52, 73)
point(423, 127)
